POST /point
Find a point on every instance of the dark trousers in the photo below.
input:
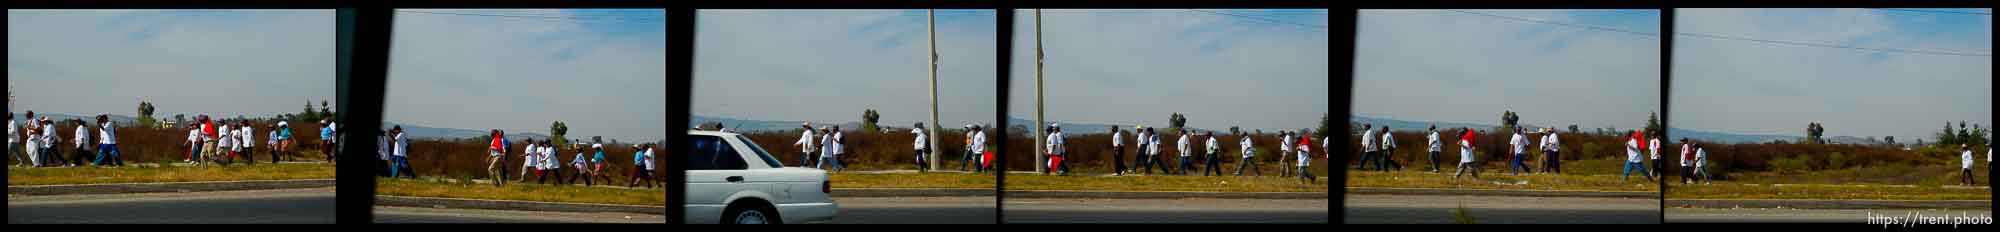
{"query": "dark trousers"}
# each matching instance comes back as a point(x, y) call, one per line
point(580, 172)
point(1434, 161)
point(77, 155)
point(1686, 173)
point(971, 159)
point(1656, 169)
point(1517, 166)
point(1186, 164)
point(805, 159)
point(1214, 164)
point(1552, 162)
point(1366, 158)
point(639, 173)
point(545, 173)
point(1117, 159)
point(1388, 157)
point(1250, 163)
point(1152, 161)
point(921, 157)
point(1966, 175)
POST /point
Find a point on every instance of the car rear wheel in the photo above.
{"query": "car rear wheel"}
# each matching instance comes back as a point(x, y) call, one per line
point(751, 214)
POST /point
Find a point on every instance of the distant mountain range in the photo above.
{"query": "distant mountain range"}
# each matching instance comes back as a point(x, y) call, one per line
point(425, 132)
point(1723, 137)
point(747, 125)
point(120, 119)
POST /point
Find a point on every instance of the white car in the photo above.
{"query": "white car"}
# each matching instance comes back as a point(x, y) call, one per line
point(733, 181)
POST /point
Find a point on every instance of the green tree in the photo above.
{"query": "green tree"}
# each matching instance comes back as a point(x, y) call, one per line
point(557, 131)
point(597, 139)
point(1814, 133)
point(309, 115)
point(1508, 120)
point(1653, 126)
point(146, 114)
point(325, 111)
point(868, 120)
point(1573, 130)
point(1946, 136)
point(1178, 121)
point(1325, 125)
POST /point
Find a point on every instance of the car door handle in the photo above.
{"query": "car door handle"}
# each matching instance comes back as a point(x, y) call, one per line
point(734, 179)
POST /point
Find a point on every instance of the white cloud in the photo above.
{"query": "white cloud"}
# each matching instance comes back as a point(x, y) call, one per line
point(255, 63)
point(1456, 67)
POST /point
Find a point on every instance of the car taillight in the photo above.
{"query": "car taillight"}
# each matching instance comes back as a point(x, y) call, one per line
point(826, 187)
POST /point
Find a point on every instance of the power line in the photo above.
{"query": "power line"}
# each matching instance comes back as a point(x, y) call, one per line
point(1592, 27)
point(1321, 28)
point(1934, 11)
point(1725, 37)
point(538, 17)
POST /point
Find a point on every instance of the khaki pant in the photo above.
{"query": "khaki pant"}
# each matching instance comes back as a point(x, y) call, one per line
point(493, 166)
point(208, 151)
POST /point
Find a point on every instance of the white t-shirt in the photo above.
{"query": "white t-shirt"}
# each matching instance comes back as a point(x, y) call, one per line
point(1464, 152)
point(649, 159)
point(1654, 147)
point(82, 136)
point(1185, 148)
point(1632, 151)
point(1700, 158)
point(1153, 145)
point(979, 142)
point(223, 138)
point(1117, 139)
point(1520, 143)
point(528, 155)
point(921, 139)
point(108, 134)
point(402, 146)
point(806, 139)
point(1435, 145)
point(1388, 141)
point(194, 137)
point(1248, 151)
point(1305, 157)
point(839, 148)
point(1967, 156)
point(249, 137)
point(1056, 143)
point(1686, 149)
point(1214, 145)
point(382, 145)
point(11, 131)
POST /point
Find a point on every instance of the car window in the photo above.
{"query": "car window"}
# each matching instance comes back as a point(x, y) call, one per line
point(766, 156)
point(711, 153)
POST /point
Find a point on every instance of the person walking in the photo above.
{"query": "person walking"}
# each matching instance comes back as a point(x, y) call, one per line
point(402, 154)
point(247, 142)
point(1117, 152)
point(271, 142)
point(1305, 160)
point(1552, 145)
point(285, 139)
point(978, 148)
point(1965, 164)
point(194, 142)
point(32, 142)
point(1388, 153)
point(1141, 159)
point(545, 163)
point(1187, 152)
point(1633, 160)
point(1687, 161)
point(1249, 155)
point(1368, 146)
point(919, 147)
point(642, 166)
point(582, 164)
point(1465, 148)
point(529, 153)
point(13, 137)
point(107, 142)
point(496, 157)
point(384, 153)
point(1435, 146)
point(1701, 164)
point(806, 145)
point(1056, 150)
point(326, 140)
point(1653, 147)
point(81, 145)
point(1213, 155)
point(1519, 144)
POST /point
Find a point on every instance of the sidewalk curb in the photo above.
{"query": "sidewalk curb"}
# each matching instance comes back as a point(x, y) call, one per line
point(961, 192)
point(1830, 204)
point(1502, 192)
point(461, 203)
point(206, 186)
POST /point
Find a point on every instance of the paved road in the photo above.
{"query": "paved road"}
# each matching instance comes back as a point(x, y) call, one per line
point(1030, 210)
point(392, 214)
point(913, 210)
point(288, 206)
point(1431, 209)
point(1769, 215)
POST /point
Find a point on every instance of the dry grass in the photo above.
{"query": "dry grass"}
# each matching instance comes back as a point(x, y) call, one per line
point(1733, 190)
point(925, 180)
point(521, 192)
point(1499, 179)
point(467, 158)
point(93, 175)
point(1164, 183)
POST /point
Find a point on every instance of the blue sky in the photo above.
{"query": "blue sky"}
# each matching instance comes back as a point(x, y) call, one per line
point(1762, 88)
point(254, 63)
point(600, 71)
point(830, 65)
point(1127, 67)
point(1440, 65)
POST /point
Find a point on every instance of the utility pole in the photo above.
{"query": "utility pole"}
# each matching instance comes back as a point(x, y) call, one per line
point(933, 130)
point(1041, 155)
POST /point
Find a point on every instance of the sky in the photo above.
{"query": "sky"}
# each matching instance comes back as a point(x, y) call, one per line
point(1762, 88)
point(225, 63)
point(830, 65)
point(1258, 69)
point(600, 71)
point(1451, 66)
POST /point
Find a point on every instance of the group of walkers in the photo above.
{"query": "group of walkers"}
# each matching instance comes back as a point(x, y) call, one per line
point(41, 143)
point(1380, 152)
point(1148, 153)
point(539, 158)
point(210, 141)
point(829, 144)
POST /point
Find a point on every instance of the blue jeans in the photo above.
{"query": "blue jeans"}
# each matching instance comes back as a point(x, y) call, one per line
point(1186, 164)
point(401, 164)
point(827, 160)
point(112, 150)
point(1517, 167)
point(1642, 170)
point(1366, 157)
